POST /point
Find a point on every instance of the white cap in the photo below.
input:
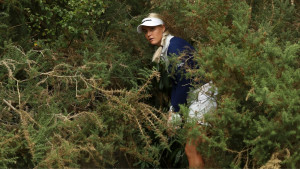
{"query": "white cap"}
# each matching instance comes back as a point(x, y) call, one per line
point(149, 22)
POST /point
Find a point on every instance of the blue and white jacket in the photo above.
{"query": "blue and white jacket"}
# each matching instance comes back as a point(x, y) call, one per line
point(175, 46)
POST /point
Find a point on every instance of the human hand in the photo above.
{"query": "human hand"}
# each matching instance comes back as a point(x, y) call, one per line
point(174, 122)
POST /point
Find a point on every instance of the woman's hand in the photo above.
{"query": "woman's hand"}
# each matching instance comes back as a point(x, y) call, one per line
point(174, 122)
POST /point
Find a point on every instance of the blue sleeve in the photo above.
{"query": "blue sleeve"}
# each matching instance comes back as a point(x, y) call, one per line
point(180, 84)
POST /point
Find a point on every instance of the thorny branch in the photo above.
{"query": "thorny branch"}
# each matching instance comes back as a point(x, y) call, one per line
point(126, 102)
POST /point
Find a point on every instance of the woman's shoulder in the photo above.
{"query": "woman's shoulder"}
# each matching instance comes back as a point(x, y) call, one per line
point(177, 43)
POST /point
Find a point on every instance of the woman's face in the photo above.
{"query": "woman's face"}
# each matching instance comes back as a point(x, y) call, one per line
point(154, 34)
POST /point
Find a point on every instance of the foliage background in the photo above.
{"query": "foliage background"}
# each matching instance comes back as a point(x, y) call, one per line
point(78, 88)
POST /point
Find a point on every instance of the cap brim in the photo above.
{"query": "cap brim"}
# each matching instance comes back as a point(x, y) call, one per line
point(139, 29)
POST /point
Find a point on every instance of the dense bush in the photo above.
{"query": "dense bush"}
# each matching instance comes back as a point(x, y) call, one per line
point(78, 88)
point(251, 53)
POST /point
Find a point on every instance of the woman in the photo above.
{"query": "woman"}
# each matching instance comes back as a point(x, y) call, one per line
point(169, 46)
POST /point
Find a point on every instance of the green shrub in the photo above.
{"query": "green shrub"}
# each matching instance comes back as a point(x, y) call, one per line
point(77, 83)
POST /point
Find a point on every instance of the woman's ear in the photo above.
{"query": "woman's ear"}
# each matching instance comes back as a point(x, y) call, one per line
point(164, 28)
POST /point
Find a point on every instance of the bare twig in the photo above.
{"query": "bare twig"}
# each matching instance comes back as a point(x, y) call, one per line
point(22, 113)
point(19, 95)
point(25, 126)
